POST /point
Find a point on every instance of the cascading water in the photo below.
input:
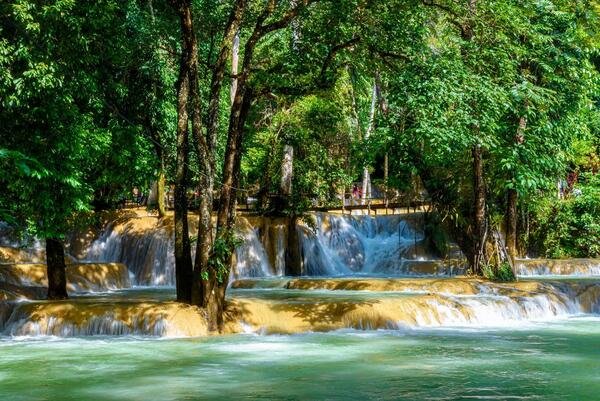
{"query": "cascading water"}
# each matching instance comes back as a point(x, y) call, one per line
point(148, 254)
point(363, 245)
point(558, 267)
point(328, 304)
point(340, 245)
point(251, 258)
point(337, 245)
point(90, 316)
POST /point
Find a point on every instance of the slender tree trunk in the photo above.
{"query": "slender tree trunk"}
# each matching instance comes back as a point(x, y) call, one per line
point(160, 191)
point(183, 258)
point(479, 220)
point(266, 178)
point(248, 98)
point(232, 152)
point(160, 176)
point(235, 58)
point(366, 180)
point(287, 171)
point(216, 284)
point(511, 224)
point(511, 233)
point(204, 237)
point(295, 29)
point(56, 269)
point(385, 177)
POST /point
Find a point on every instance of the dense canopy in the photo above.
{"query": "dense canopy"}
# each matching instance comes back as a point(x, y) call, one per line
point(487, 110)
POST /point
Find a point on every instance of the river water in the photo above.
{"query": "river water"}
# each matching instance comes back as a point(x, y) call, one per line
point(557, 360)
point(392, 325)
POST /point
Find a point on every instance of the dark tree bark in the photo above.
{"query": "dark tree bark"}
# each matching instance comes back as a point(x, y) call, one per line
point(183, 258)
point(56, 269)
point(204, 242)
point(293, 254)
point(204, 279)
point(216, 283)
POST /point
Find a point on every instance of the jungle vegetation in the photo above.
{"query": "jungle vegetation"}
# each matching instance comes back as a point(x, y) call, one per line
point(490, 110)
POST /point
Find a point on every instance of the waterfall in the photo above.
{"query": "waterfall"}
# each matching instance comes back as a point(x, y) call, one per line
point(148, 254)
point(84, 317)
point(366, 305)
point(336, 245)
point(147, 249)
point(251, 257)
point(350, 244)
point(558, 267)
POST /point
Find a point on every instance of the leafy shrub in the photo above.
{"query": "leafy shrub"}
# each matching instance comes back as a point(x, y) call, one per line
point(502, 273)
point(570, 227)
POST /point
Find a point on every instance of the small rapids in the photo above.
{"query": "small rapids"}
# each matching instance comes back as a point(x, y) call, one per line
point(303, 305)
point(84, 317)
point(558, 267)
point(417, 303)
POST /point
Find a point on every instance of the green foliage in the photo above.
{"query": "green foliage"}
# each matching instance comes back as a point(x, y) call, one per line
point(221, 253)
point(68, 98)
point(317, 128)
point(87, 104)
point(501, 273)
point(569, 228)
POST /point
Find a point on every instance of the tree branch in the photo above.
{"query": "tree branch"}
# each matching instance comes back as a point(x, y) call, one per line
point(455, 20)
point(333, 52)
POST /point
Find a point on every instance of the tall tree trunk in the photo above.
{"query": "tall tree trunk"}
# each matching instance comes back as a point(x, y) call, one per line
point(511, 224)
point(160, 176)
point(512, 200)
point(235, 58)
point(287, 171)
point(295, 29)
point(205, 276)
point(183, 258)
point(479, 212)
point(293, 253)
point(366, 180)
point(215, 286)
point(204, 237)
point(56, 269)
point(232, 153)
point(214, 294)
point(263, 195)
point(160, 191)
point(385, 177)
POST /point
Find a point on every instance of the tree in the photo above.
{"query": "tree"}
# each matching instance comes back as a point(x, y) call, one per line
point(60, 119)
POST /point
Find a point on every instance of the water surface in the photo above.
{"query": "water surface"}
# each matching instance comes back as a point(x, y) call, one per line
point(544, 361)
